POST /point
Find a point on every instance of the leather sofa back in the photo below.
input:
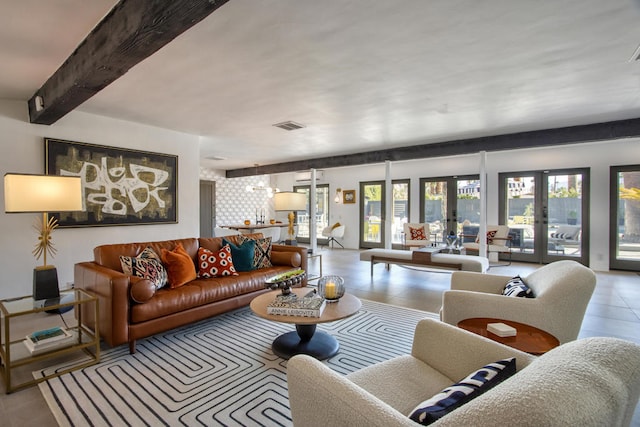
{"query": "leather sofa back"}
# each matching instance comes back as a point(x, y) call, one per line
point(109, 255)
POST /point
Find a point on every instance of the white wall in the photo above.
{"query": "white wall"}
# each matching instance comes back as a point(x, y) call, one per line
point(598, 156)
point(22, 151)
point(234, 204)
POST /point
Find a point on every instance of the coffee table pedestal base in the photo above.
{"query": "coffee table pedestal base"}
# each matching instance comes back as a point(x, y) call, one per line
point(306, 340)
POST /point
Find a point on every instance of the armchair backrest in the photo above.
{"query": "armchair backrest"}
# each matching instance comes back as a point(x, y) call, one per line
point(497, 235)
point(338, 231)
point(561, 280)
point(563, 287)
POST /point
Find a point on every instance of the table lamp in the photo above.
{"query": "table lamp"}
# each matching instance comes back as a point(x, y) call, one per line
point(290, 201)
point(43, 193)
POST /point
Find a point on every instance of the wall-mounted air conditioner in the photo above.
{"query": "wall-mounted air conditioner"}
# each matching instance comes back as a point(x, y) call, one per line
point(306, 176)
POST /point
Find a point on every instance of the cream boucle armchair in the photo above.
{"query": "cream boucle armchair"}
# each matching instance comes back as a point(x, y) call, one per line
point(590, 382)
point(561, 291)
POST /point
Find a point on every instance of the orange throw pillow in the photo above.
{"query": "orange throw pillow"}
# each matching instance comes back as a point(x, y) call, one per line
point(179, 265)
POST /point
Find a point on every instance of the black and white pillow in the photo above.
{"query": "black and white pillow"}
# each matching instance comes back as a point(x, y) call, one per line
point(463, 391)
point(517, 288)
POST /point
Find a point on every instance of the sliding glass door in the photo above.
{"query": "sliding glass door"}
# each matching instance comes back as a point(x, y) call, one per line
point(624, 237)
point(322, 213)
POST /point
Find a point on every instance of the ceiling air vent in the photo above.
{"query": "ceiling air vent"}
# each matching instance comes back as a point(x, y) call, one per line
point(289, 125)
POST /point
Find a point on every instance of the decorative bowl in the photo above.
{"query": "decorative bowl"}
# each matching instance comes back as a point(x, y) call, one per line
point(331, 288)
point(285, 281)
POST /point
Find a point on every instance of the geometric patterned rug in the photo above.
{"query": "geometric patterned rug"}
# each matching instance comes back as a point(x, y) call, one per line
point(220, 371)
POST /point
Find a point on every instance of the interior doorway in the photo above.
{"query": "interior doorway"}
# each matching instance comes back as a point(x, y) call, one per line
point(207, 208)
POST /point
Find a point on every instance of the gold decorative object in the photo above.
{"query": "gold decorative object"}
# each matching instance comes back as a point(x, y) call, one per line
point(45, 244)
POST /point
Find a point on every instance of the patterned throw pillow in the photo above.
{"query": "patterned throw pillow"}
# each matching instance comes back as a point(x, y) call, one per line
point(417, 233)
point(146, 265)
point(490, 235)
point(462, 392)
point(215, 264)
point(517, 288)
point(262, 253)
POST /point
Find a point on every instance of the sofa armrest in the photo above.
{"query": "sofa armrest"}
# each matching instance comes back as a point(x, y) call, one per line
point(455, 352)
point(112, 290)
point(321, 397)
point(294, 256)
point(460, 305)
point(478, 282)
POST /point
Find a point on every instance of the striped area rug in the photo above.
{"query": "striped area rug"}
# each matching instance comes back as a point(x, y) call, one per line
point(216, 372)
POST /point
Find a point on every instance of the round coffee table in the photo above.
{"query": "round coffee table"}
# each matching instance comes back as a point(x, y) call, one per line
point(528, 338)
point(305, 339)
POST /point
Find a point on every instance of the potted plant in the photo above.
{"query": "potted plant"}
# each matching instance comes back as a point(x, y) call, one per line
point(572, 217)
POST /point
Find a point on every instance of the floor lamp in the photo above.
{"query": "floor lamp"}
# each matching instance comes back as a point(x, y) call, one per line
point(43, 193)
point(290, 201)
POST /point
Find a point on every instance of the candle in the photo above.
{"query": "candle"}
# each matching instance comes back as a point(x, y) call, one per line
point(330, 290)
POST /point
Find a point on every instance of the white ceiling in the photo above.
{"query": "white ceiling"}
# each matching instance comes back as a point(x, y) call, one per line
point(361, 75)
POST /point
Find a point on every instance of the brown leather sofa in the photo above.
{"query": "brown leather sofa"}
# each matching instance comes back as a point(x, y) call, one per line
point(131, 308)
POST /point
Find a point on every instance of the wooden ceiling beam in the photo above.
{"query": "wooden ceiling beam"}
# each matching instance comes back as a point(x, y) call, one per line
point(132, 31)
point(541, 138)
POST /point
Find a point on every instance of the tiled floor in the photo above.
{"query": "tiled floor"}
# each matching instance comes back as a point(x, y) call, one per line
point(614, 310)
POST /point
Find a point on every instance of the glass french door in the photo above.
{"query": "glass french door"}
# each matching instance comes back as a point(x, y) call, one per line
point(322, 213)
point(451, 205)
point(547, 214)
point(401, 209)
point(624, 236)
point(372, 214)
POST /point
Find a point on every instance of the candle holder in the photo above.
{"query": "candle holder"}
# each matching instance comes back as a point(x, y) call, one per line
point(331, 288)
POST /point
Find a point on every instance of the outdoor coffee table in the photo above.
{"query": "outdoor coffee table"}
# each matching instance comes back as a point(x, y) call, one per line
point(306, 339)
point(528, 338)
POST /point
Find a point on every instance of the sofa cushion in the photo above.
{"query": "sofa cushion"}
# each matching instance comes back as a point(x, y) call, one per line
point(147, 265)
point(179, 266)
point(243, 254)
point(262, 251)
point(215, 264)
point(463, 391)
point(517, 288)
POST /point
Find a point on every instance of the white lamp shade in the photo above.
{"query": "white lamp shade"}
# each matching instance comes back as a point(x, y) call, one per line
point(289, 201)
point(42, 193)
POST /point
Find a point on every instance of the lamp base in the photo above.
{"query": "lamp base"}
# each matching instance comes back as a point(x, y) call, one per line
point(291, 242)
point(45, 282)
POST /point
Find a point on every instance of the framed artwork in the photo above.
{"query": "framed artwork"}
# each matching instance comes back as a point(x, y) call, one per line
point(120, 186)
point(348, 196)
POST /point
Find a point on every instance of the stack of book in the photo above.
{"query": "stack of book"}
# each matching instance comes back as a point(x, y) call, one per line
point(48, 340)
point(310, 305)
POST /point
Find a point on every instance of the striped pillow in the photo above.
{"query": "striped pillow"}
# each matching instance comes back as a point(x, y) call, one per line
point(517, 288)
point(463, 391)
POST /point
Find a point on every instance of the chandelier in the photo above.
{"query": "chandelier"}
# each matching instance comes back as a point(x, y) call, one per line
point(261, 187)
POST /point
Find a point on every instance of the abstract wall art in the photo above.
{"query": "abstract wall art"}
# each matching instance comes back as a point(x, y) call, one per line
point(120, 186)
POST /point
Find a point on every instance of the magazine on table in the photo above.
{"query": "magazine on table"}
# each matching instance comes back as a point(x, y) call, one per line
point(310, 305)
